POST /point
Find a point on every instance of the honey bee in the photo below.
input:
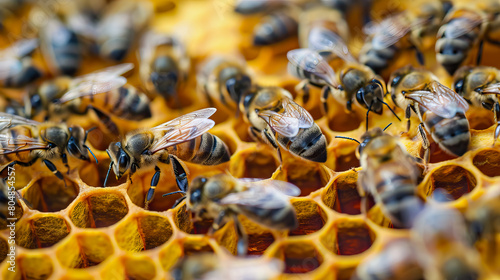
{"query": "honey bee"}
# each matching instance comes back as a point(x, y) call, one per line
point(249, 7)
point(390, 175)
point(119, 27)
point(481, 86)
point(24, 141)
point(276, 27)
point(164, 64)
point(224, 81)
point(209, 267)
point(440, 109)
point(16, 66)
point(276, 119)
point(396, 261)
point(222, 197)
point(353, 81)
point(441, 243)
point(386, 39)
point(184, 137)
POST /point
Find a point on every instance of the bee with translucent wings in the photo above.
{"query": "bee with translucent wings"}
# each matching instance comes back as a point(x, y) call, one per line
point(481, 86)
point(222, 197)
point(184, 138)
point(16, 65)
point(276, 119)
point(352, 82)
point(25, 141)
point(440, 110)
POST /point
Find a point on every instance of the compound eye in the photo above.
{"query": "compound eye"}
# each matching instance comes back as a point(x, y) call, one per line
point(195, 197)
point(459, 85)
point(395, 81)
point(122, 161)
point(52, 145)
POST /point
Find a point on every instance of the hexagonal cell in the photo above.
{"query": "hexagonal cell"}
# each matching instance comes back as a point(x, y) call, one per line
point(256, 162)
point(100, 139)
point(241, 129)
point(32, 266)
point(343, 197)
point(488, 162)
point(299, 256)
point(346, 162)
point(85, 249)
point(454, 179)
point(89, 171)
point(436, 153)
point(49, 194)
point(352, 237)
point(194, 246)
point(310, 216)
point(480, 119)
point(41, 231)
point(259, 238)
point(143, 232)
point(18, 213)
point(130, 267)
point(343, 122)
point(307, 176)
point(99, 210)
point(183, 221)
point(4, 249)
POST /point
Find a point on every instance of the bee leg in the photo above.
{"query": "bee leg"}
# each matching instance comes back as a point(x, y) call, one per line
point(254, 134)
point(420, 56)
point(303, 87)
point(325, 91)
point(64, 159)
point(280, 157)
point(218, 223)
point(242, 245)
point(54, 170)
point(407, 116)
point(178, 201)
point(496, 109)
point(425, 143)
point(180, 174)
point(368, 112)
point(479, 52)
point(151, 192)
point(106, 120)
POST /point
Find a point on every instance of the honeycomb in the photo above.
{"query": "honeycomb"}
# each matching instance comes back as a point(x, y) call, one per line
point(84, 231)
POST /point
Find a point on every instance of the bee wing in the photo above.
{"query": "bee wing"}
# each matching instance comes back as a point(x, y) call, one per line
point(20, 48)
point(183, 128)
point(460, 26)
point(322, 39)
point(310, 61)
point(19, 143)
point(390, 31)
point(283, 187)
point(258, 195)
point(294, 110)
point(106, 73)
point(9, 120)
point(492, 89)
point(286, 126)
point(440, 100)
point(88, 88)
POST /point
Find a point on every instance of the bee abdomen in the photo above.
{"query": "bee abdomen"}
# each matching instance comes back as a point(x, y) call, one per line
point(452, 134)
point(207, 149)
point(25, 77)
point(310, 143)
point(278, 219)
point(377, 59)
point(130, 103)
point(67, 54)
point(275, 28)
point(402, 204)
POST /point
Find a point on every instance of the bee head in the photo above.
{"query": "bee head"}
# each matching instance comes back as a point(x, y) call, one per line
point(459, 79)
point(120, 160)
point(237, 83)
point(195, 191)
point(371, 96)
point(76, 144)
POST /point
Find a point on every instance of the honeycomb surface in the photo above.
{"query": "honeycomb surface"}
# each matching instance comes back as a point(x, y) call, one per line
point(84, 231)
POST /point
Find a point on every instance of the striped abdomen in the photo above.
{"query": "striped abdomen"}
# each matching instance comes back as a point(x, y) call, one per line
point(452, 135)
point(275, 28)
point(117, 35)
point(63, 47)
point(278, 219)
point(207, 149)
point(309, 143)
point(377, 58)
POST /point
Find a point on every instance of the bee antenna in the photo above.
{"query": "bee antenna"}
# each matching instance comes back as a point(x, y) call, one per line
point(87, 147)
point(348, 138)
point(386, 127)
point(87, 133)
point(107, 174)
point(183, 192)
point(382, 101)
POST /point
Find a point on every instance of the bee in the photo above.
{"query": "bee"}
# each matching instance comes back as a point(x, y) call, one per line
point(24, 141)
point(250, 7)
point(276, 27)
point(440, 109)
point(224, 81)
point(442, 246)
point(353, 81)
point(208, 267)
point(276, 119)
point(481, 86)
point(16, 65)
point(396, 261)
point(390, 175)
point(386, 39)
point(222, 197)
point(120, 26)
point(164, 64)
point(184, 137)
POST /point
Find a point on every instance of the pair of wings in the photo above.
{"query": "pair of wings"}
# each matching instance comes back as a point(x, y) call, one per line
point(440, 100)
point(10, 63)
point(19, 143)
point(460, 26)
point(263, 194)
point(182, 129)
point(97, 82)
point(290, 121)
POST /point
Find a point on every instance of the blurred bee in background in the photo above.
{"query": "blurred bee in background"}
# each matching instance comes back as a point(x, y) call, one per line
point(387, 39)
point(390, 175)
point(441, 243)
point(276, 26)
point(396, 261)
point(222, 197)
point(9, 8)
point(16, 65)
point(224, 80)
point(184, 137)
point(209, 267)
point(276, 119)
point(164, 64)
point(250, 7)
point(120, 26)
point(24, 141)
point(480, 86)
point(440, 109)
point(353, 81)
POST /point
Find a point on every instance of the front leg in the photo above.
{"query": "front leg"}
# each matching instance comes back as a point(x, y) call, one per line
point(325, 92)
point(303, 87)
point(64, 159)
point(180, 173)
point(218, 223)
point(151, 192)
point(407, 116)
point(54, 170)
point(425, 143)
point(242, 245)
